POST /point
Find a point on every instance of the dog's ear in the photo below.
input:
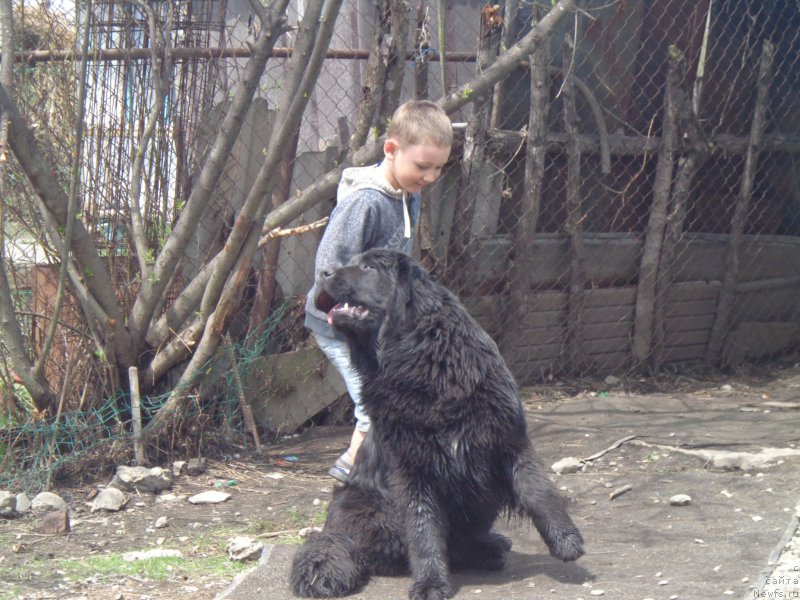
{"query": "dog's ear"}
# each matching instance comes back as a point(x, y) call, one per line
point(415, 295)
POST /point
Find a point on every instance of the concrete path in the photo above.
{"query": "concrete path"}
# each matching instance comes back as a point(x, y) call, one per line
point(738, 533)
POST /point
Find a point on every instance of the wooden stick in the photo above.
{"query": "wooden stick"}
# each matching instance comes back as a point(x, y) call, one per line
point(136, 413)
point(278, 232)
point(247, 409)
point(620, 490)
point(613, 446)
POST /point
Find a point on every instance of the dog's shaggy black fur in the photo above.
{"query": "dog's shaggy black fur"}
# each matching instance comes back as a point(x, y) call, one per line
point(448, 450)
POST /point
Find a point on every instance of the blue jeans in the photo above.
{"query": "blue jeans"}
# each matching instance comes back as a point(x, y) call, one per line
point(339, 354)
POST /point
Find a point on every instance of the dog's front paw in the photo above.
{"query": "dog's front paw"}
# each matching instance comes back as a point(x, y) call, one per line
point(567, 545)
point(430, 589)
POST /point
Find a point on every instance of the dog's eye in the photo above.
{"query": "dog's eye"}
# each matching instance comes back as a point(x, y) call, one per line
point(366, 267)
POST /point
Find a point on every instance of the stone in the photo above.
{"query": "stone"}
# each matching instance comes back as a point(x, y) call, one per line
point(244, 548)
point(680, 500)
point(154, 553)
point(161, 522)
point(210, 497)
point(23, 503)
point(109, 499)
point(196, 466)
point(141, 479)
point(178, 467)
point(48, 501)
point(612, 380)
point(8, 504)
point(570, 464)
point(54, 522)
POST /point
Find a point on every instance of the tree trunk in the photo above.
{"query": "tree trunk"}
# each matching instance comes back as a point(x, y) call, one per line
point(525, 229)
point(473, 159)
point(727, 292)
point(654, 236)
point(265, 286)
point(577, 358)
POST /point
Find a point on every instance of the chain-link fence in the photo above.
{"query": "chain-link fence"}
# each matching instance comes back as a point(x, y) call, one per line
point(626, 197)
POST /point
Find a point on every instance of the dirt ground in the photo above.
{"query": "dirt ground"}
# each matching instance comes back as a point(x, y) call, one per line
point(638, 545)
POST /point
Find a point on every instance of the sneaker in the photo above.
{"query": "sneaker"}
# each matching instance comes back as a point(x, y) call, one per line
point(341, 468)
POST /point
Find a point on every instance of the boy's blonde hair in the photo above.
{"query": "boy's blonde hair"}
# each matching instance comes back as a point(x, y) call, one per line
point(421, 122)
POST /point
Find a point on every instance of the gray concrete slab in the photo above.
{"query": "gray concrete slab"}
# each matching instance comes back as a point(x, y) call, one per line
point(638, 545)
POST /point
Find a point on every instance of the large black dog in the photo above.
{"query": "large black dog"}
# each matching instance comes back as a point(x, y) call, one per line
point(448, 450)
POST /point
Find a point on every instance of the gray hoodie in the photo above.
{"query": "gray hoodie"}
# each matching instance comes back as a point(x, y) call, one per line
point(369, 213)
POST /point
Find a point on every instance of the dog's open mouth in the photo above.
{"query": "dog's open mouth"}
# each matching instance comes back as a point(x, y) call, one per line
point(327, 304)
point(352, 312)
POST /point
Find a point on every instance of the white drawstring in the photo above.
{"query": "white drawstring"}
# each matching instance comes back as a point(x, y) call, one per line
point(406, 218)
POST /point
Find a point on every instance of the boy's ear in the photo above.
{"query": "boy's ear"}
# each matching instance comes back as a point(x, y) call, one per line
point(390, 146)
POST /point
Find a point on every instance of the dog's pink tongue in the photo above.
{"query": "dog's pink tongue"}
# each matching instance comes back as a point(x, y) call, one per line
point(330, 314)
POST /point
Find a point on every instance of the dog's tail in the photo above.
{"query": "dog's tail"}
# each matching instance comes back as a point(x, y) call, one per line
point(328, 565)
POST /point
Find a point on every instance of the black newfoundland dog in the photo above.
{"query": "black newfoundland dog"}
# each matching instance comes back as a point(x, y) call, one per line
point(448, 450)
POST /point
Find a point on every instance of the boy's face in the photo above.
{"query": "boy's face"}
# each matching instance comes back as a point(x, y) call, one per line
point(411, 167)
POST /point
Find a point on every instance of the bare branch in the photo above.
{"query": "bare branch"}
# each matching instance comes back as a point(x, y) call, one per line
point(153, 287)
point(9, 324)
point(509, 60)
point(222, 292)
point(72, 207)
point(161, 74)
point(53, 205)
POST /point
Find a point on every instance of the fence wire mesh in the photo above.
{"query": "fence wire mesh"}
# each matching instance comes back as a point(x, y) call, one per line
point(627, 197)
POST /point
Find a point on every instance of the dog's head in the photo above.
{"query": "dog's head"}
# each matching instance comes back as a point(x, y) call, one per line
point(358, 297)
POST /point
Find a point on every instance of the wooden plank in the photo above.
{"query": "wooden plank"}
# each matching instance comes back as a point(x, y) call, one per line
point(603, 331)
point(698, 259)
point(602, 297)
point(693, 290)
point(767, 305)
point(609, 258)
point(612, 360)
point(684, 353)
point(760, 340)
point(611, 345)
point(608, 314)
point(765, 260)
point(484, 310)
point(546, 300)
point(686, 338)
point(543, 319)
point(530, 353)
point(689, 308)
point(612, 258)
point(689, 323)
point(290, 388)
point(545, 336)
point(528, 372)
point(480, 306)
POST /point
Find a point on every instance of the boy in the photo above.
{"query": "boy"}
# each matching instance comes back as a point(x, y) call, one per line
point(377, 207)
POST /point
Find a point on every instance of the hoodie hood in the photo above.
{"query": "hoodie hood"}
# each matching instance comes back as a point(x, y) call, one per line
point(360, 178)
point(372, 178)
